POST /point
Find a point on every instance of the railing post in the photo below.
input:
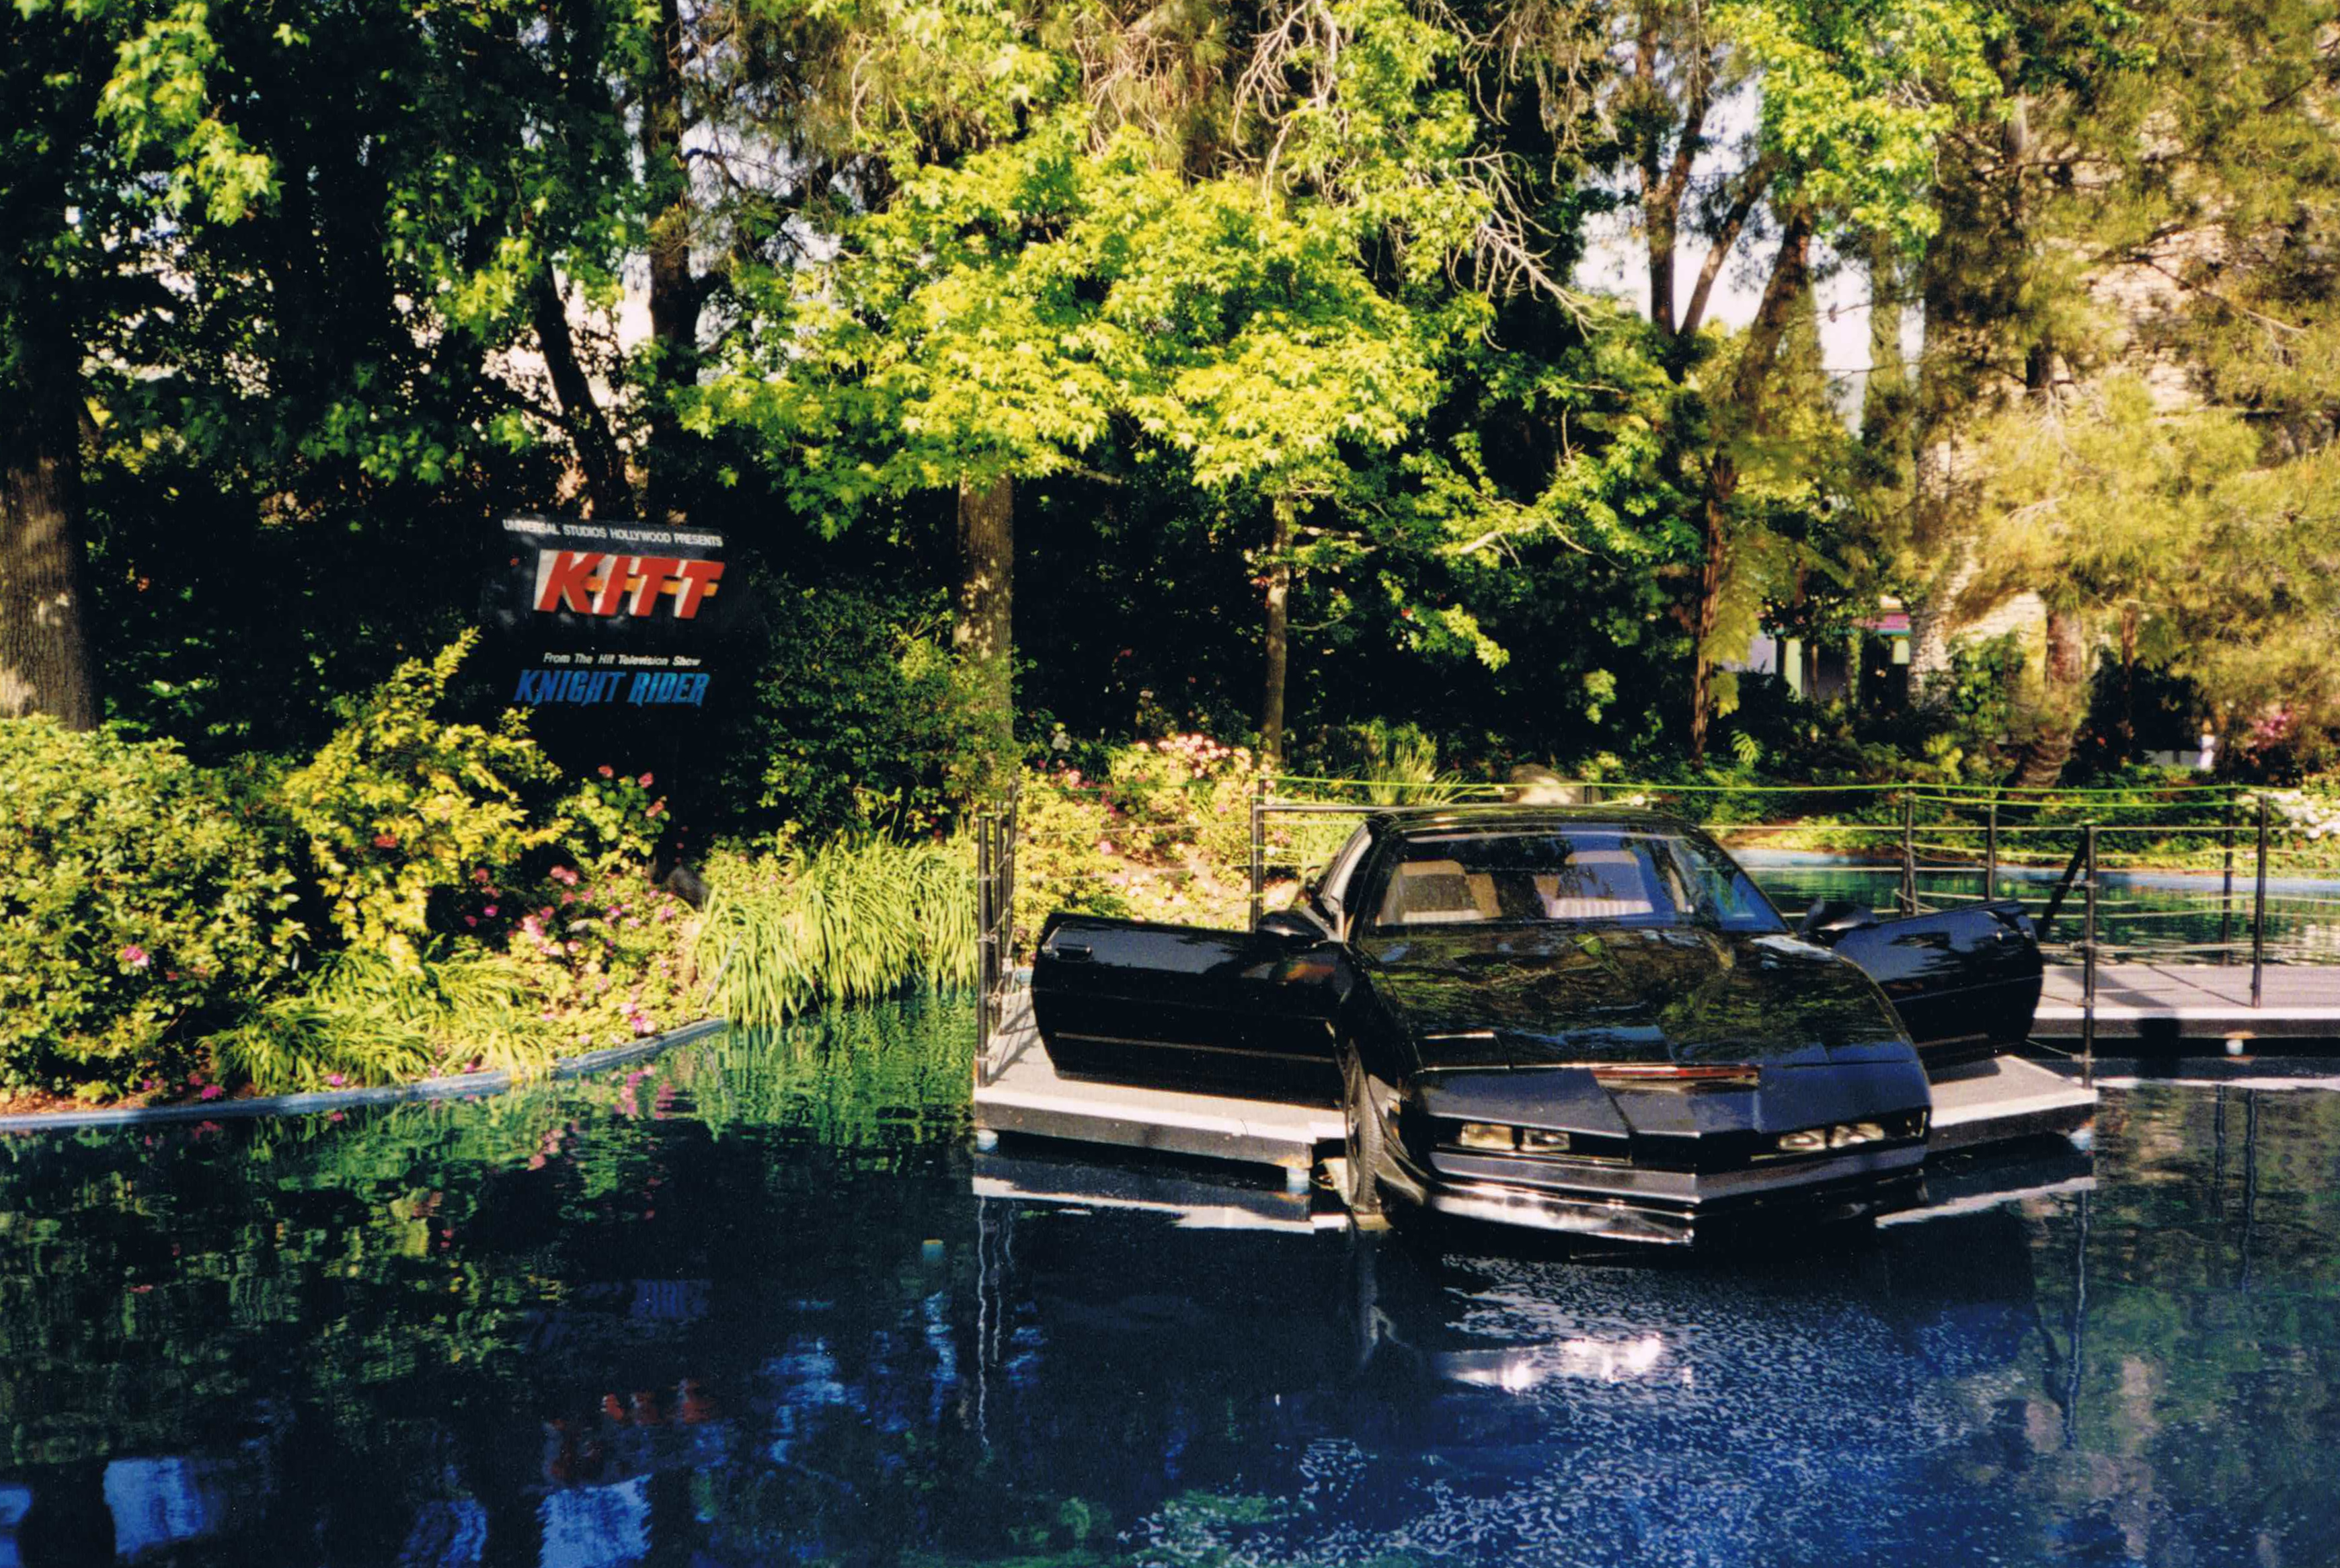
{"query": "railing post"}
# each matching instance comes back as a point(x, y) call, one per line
point(1908, 856)
point(1258, 846)
point(2259, 913)
point(1007, 875)
point(2227, 891)
point(1990, 857)
point(986, 952)
point(2088, 969)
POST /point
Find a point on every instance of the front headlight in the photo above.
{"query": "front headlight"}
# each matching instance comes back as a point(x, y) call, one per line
point(1849, 1135)
point(1488, 1137)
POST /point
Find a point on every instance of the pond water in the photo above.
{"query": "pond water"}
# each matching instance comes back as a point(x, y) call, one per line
point(743, 1307)
point(2144, 914)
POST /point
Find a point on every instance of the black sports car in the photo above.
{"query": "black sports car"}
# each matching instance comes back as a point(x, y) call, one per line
point(1577, 1019)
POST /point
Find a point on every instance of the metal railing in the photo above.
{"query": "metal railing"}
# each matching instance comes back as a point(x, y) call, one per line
point(995, 920)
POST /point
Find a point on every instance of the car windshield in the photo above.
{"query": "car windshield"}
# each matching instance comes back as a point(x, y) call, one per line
point(1606, 876)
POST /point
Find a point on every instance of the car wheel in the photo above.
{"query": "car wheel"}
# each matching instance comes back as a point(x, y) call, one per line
point(1362, 1190)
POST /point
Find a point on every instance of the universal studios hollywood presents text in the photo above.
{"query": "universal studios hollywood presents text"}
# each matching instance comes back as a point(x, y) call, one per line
point(619, 597)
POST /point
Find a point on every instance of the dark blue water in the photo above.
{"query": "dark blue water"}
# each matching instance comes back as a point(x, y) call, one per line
point(745, 1308)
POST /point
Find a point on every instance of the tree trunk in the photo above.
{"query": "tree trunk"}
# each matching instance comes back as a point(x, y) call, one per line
point(44, 654)
point(1722, 485)
point(2128, 682)
point(676, 295)
point(1749, 383)
point(606, 485)
point(983, 632)
point(1278, 638)
point(2063, 704)
point(2063, 649)
point(1929, 623)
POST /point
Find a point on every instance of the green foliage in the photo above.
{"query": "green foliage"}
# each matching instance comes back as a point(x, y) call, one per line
point(848, 921)
point(399, 806)
point(607, 959)
point(859, 721)
point(1857, 96)
point(1163, 833)
point(1986, 690)
point(1399, 763)
point(613, 820)
point(137, 909)
point(368, 1018)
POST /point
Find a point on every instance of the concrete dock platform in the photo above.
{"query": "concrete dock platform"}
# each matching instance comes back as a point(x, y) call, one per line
point(1019, 1094)
point(2176, 1003)
point(1022, 1094)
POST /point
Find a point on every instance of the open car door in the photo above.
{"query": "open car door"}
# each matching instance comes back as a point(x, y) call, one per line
point(1182, 1007)
point(1965, 981)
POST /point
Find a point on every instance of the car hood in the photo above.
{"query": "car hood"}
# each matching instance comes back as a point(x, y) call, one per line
point(1532, 996)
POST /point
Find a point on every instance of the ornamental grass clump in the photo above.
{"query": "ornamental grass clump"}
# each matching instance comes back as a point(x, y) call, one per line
point(139, 909)
point(849, 921)
point(369, 1018)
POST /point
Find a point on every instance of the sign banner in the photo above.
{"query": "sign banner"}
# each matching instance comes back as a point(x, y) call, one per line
point(611, 614)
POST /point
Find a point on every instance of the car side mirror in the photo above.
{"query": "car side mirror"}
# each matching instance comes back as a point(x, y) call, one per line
point(1830, 918)
point(1289, 926)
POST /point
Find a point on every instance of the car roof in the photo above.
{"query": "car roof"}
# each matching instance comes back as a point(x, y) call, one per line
point(1406, 822)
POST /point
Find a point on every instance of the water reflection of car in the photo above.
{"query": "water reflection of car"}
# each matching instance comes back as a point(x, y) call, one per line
point(1584, 1020)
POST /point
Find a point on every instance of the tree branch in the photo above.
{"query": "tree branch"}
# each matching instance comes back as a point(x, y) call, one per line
point(1752, 187)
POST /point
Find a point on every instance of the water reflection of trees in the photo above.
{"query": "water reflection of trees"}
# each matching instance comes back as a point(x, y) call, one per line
point(741, 1305)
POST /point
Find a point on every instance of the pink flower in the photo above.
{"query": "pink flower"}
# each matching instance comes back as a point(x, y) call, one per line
point(564, 876)
point(654, 808)
point(335, 1079)
point(470, 919)
point(134, 956)
point(644, 780)
point(211, 1092)
point(386, 841)
point(608, 771)
point(490, 911)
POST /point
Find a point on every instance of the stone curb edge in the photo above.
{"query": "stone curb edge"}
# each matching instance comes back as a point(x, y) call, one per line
point(457, 1087)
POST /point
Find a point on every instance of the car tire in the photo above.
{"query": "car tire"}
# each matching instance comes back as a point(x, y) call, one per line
point(1362, 1189)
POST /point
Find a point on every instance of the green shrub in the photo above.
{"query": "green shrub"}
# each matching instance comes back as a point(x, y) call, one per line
point(399, 806)
point(859, 723)
point(608, 957)
point(137, 909)
point(613, 820)
point(853, 920)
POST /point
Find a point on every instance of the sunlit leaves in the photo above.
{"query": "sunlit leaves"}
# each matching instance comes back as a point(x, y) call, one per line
point(1856, 95)
point(159, 100)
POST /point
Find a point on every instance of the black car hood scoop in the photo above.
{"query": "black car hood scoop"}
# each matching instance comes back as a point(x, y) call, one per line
point(1550, 996)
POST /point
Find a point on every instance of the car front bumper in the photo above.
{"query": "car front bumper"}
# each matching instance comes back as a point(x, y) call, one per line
point(1666, 1207)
